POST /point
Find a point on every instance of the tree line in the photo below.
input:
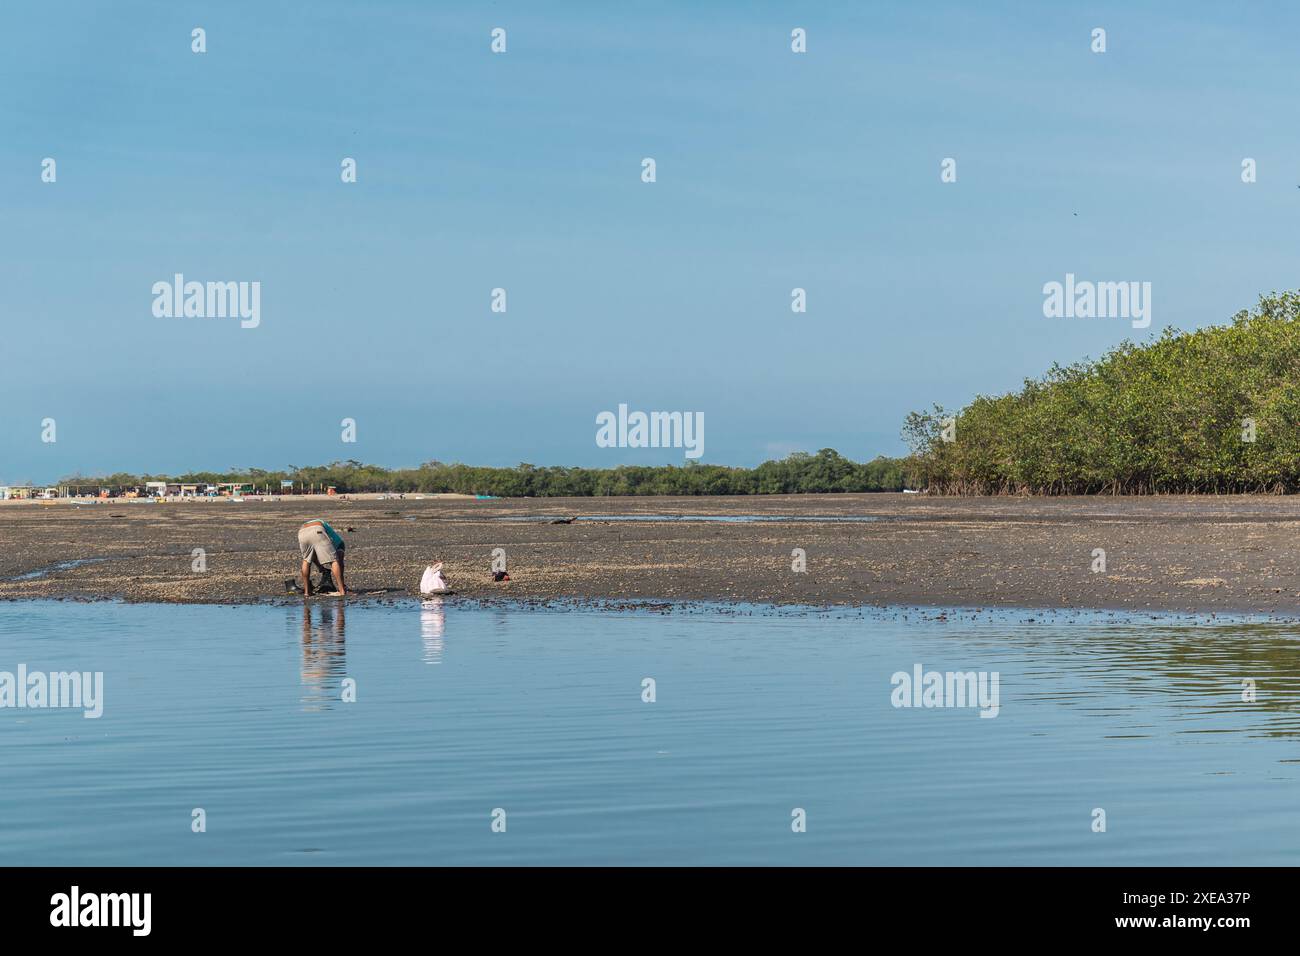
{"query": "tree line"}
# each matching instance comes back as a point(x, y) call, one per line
point(800, 473)
point(1216, 410)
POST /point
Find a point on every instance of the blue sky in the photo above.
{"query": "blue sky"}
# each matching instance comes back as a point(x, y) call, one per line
point(522, 171)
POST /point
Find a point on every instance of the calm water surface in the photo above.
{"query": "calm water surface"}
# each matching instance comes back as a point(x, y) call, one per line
point(462, 709)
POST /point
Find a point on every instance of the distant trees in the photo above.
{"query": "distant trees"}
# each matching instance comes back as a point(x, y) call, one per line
point(827, 471)
point(1215, 410)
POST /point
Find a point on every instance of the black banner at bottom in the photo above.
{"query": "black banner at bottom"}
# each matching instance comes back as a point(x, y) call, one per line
point(335, 906)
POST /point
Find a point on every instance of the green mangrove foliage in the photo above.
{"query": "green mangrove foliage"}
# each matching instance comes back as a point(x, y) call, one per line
point(1216, 410)
point(826, 471)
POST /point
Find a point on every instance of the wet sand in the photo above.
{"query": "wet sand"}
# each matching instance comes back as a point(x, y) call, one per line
point(1162, 553)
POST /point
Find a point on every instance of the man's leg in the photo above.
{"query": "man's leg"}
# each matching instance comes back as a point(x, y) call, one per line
point(306, 577)
point(326, 585)
point(338, 575)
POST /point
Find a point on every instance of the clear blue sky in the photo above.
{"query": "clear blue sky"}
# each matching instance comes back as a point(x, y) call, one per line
point(522, 170)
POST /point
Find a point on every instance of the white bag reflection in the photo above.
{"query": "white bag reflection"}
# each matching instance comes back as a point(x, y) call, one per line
point(433, 620)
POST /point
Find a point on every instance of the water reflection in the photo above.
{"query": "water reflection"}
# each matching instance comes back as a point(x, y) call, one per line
point(1140, 714)
point(324, 657)
point(1150, 679)
point(433, 622)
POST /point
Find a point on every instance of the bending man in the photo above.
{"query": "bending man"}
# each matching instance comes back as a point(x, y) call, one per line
point(321, 545)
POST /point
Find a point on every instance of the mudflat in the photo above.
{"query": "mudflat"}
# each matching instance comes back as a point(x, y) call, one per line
point(1180, 553)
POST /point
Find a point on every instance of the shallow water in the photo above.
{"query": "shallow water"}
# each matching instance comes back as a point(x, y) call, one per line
point(55, 569)
point(462, 709)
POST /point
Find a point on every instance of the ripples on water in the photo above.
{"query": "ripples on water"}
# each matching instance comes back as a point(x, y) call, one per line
point(461, 709)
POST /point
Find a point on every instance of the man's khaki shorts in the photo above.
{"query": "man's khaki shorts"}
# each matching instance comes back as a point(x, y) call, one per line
point(312, 539)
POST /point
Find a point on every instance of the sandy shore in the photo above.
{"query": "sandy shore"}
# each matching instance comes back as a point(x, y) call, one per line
point(1169, 553)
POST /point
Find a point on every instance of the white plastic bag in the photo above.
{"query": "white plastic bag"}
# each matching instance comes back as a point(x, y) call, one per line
point(433, 581)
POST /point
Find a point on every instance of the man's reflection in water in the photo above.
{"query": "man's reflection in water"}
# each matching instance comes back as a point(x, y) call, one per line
point(324, 659)
point(433, 620)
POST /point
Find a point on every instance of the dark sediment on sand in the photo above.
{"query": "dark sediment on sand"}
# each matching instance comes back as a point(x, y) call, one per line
point(1195, 554)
